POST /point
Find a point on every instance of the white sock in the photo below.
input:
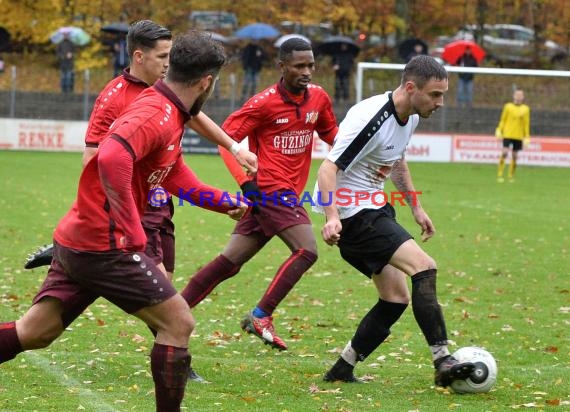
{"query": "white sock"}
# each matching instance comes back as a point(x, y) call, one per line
point(349, 354)
point(439, 351)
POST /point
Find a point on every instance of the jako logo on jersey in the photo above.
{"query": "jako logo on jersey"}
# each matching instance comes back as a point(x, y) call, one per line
point(281, 121)
point(312, 117)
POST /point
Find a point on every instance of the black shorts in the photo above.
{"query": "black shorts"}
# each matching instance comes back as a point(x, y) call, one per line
point(369, 239)
point(515, 143)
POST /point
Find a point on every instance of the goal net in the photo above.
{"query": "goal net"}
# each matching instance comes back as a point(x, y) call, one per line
point(546, 92)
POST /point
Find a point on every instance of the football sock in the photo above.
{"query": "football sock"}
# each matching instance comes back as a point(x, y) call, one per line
point(512, 167)
point(438, 352)
point(259, 313)
point(501, 167)
point(426, 308)
point(349, 354)
point(169, 366)
point(287, 276)
point(10, 345)
point(207, 278)
point(374, 328)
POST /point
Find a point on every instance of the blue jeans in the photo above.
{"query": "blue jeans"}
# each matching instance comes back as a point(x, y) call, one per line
point(249, 83)
point(67, 81)
point(464, 92)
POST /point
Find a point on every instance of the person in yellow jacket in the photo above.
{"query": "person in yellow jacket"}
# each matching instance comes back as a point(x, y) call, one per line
point(514, 130)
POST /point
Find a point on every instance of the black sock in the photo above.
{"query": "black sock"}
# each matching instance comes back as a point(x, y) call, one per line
point(426, 308)
point(374, 327)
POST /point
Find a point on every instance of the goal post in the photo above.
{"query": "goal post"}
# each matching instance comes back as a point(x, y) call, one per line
point(546, 93)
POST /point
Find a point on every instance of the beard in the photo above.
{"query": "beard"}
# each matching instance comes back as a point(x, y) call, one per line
point(199, 102)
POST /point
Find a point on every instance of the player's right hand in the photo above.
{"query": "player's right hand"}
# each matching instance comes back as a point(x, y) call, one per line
point(498, 133)
point(239, 211)
point(331, 231)
point(248, 160)
point(251, 191)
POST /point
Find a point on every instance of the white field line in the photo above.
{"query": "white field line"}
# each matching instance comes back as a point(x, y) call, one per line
point(88, 399)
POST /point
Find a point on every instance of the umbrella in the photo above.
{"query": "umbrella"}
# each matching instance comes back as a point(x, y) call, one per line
point(77, 35)
point(286, 37)
point(454, 50)
point(219, 37)
point(333, 45)
point(116, 28)
point(257, 31)
point(407, 48)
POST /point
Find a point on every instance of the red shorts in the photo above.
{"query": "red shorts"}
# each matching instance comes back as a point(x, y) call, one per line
point(129, 280)
point(159, 229)
point(273, 217)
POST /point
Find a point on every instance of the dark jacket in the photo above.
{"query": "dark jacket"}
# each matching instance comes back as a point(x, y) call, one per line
point(467, 60)
point(252, 57)
point(65, 54)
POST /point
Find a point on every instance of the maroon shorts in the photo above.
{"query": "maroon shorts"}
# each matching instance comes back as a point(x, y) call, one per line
point(159, 229)
point(129, 280)
point(273, 216)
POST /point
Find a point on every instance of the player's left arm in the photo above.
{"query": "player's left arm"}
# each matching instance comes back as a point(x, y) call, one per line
point(206, 127)
point(183, 183)
point(402, 179)
point(116, 161)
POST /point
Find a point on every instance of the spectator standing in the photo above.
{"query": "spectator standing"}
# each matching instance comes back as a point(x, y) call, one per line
point(465, 85)
point(252, 58)
point(66, 55)
point(120, 56)
point(342, 66)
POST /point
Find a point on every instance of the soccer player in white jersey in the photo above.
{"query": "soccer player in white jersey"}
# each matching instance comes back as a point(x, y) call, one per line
point(370, 147)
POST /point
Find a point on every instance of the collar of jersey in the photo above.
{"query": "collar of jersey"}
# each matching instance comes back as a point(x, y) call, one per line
point(163, 89)
point(285, 94)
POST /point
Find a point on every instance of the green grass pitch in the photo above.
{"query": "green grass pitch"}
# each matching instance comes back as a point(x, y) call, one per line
point(503, 256)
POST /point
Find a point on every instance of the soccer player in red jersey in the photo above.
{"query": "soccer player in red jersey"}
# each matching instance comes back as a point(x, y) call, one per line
point(99, 244)
point(279, 123)
point(148, 45)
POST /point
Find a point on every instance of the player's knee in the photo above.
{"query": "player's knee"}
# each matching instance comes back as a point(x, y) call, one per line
point(423, 263)
point(397, 296)
point(39, 338)
point(311, 256)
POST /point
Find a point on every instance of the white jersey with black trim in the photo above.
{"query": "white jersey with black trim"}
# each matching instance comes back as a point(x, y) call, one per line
point(365, 160)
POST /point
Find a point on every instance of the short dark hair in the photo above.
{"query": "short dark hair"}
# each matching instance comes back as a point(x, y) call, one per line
point(194, 55)
point(291, 45)
point(144, 34)
point(420, 69)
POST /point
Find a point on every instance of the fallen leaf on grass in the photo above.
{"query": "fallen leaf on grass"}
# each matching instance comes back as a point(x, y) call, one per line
point(315, 389)
point(553, 402)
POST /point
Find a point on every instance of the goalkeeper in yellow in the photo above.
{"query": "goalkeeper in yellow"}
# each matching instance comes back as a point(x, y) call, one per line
point(514, 129)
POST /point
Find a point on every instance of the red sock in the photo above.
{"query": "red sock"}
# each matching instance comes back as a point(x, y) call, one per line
point(169, 366)
point(9, 343)
point(207, 278)
point(287, 276)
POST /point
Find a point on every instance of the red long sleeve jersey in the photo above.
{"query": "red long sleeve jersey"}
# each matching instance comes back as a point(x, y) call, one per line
point(280, 131)
point(106, 213)
point(110, 103)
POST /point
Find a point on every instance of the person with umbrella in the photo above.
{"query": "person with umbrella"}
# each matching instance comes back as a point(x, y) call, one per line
point(342, 62)
point(465, 84)
point(65, 51)
point(252, 58)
